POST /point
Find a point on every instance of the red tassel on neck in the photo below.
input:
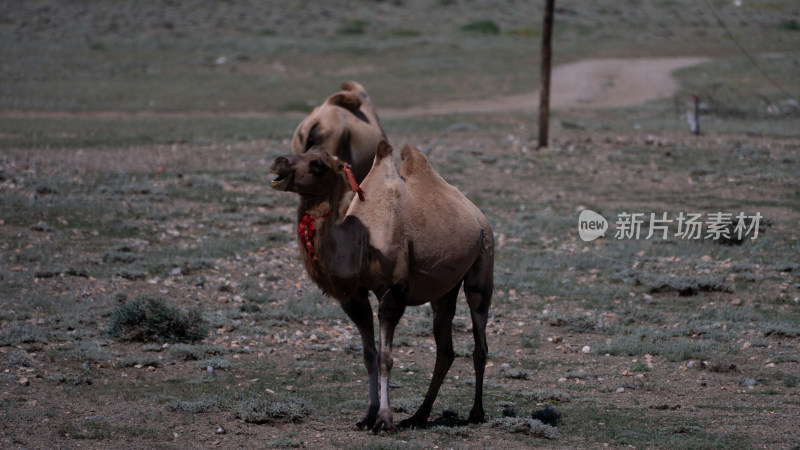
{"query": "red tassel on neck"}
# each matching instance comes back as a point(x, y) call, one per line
point(353, 184)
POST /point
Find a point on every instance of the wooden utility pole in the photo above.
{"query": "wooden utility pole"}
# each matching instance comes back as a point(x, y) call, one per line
point(544, 94)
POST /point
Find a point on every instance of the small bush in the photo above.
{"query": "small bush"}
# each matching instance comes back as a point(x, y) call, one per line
point(687, 286)
point(203, 405)
point(577, 323)
point(531, 427)
point(288, 440)
point(282, 409)
point(84, 351)
point(548, 416)
point(406, 405)
point(515, 374)
point(188, 352)
point(530, 340)
point(719, 367)
point(791, 25)
point(151, 320)
point(24, 333)
point(781, 330)
point(482, 26)
point(642, 341)
point(140, 361)
point(790, 381)
point(540, 395)
point(74, 380)
point(216, 363)
point(355, 26)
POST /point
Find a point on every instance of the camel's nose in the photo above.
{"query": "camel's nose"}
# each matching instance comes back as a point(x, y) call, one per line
point(281, 165)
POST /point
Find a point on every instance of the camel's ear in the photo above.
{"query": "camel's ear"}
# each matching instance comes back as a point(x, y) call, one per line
point(384, 150)
point(347, 100)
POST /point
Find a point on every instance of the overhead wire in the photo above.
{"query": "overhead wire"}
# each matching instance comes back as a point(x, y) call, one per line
point(742, 49)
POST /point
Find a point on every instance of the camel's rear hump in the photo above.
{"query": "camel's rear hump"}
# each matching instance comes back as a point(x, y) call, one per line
point(414, 162)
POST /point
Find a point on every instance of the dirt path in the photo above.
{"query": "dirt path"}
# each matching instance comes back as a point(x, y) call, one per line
point(591, 83)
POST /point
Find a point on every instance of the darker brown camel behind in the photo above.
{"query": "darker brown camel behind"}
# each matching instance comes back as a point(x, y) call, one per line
point(414, 240)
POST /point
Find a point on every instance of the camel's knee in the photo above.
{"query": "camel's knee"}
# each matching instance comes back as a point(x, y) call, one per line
point(370, 359)
point(386, 362)
point(479, 354)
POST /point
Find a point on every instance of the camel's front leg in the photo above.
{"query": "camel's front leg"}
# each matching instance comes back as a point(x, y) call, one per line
point(360, 312)
point(390, 309)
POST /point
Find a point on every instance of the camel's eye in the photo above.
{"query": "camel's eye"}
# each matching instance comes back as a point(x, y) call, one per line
point(317, 167)
point(312, 137)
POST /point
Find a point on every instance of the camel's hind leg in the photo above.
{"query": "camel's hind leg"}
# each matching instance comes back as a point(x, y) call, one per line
point(444, 309)
point(478, 287)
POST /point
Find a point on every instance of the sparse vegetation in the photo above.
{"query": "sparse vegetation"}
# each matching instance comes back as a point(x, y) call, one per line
point(148, 319)
point(274, 410)
point(482, 26)
point(531, 427)
point(24, 333)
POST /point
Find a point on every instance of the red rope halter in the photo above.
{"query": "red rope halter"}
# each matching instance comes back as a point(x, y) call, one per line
point(353, 184)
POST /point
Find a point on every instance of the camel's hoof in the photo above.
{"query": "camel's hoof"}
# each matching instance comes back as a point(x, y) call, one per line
point(380, 426)
point(384, 423)
point(366, 423)
point(412, 422)
point(476, 417)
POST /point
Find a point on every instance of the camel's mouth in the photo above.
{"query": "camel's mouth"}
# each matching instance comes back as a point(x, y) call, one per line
point(280, 182)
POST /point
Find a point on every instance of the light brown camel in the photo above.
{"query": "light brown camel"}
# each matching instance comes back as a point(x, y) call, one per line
point(414, 240)
point(347, 125)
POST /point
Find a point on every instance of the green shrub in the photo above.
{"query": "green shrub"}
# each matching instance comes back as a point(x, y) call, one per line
point(202, 405)
point(196, 352)
point(281, 409)
point(151, 320)
point(355, 26)
point(541, 396)
point(482, 26)
point(24, 333)
point(215, 363)
point(531, 427)
point(141, 361)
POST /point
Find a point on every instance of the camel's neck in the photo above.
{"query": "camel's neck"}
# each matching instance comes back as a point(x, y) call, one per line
point(314, 216)
point(319, 222)
point(329, 203)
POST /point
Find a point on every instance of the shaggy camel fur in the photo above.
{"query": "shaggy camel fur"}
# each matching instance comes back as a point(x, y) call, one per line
point(414, 240)
point(347, 125)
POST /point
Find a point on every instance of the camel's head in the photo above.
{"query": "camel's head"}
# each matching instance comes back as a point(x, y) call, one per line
point(327, 125)
point(311, 173)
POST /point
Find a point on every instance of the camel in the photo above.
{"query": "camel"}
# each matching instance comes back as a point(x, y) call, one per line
point(411, 239)
point(347, 125)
